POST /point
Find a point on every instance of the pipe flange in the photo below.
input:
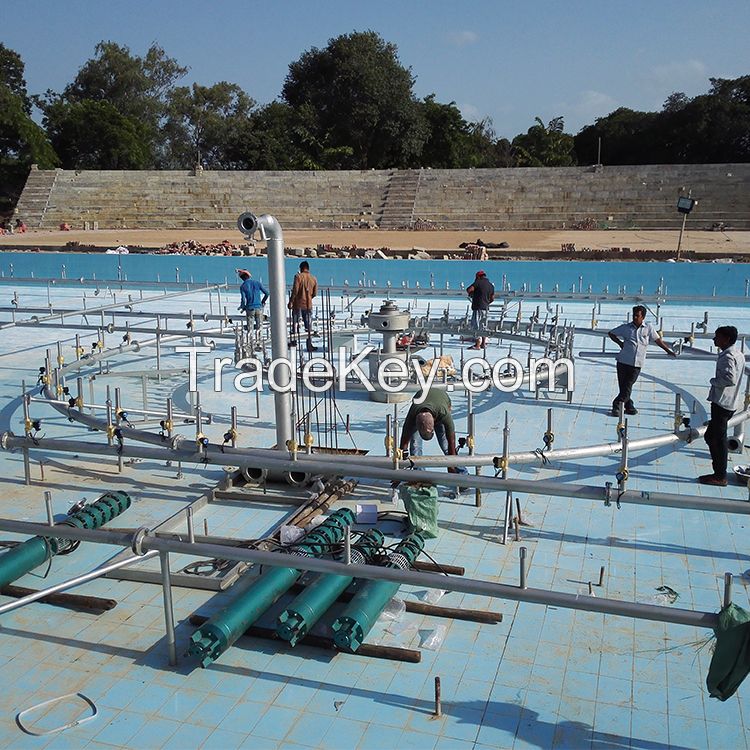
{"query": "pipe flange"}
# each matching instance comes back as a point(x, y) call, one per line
point(4, 439)
point(137, 543)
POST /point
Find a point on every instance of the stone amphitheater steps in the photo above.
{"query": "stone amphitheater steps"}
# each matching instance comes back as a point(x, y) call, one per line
point(34, 200)
point(612, 197)
point(400, 197)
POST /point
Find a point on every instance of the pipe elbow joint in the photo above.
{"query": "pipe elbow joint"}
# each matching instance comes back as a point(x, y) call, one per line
point(268, 227)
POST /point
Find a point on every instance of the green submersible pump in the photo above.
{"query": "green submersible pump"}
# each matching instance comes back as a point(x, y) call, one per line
point(306, 609)
point(359, 616)
point(35, 552)
point(214, 637)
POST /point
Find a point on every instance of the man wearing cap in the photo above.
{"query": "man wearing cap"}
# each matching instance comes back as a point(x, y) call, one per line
point(253, 296)
point(431, 417)
point(633, 339)
point(482, 293)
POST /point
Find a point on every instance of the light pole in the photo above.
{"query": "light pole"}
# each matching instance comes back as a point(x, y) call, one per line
point(685, 205)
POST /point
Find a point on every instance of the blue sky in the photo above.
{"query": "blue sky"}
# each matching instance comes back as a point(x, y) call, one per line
point(511, 61)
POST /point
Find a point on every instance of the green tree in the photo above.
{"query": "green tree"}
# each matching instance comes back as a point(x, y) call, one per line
point(278, 137)
point(201, 121)
point(626, 138)
point(137, 88)
point(12, 75)
point(486, 149)
point(448, 136)
point(709, 128)
point(545, 146)
point(355, 95)
point(94, 135)
point(716, 125)
point(22, 141)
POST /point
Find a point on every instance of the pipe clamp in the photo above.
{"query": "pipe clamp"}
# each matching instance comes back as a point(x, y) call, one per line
point(138, 537)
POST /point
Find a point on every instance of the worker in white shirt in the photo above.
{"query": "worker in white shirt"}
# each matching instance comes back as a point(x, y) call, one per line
point(633, 339)
point(725, 397)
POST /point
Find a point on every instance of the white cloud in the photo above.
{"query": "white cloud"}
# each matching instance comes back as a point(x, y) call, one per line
point(690, 76)
point(586, 108)
point(462, 38)
point(470, 112)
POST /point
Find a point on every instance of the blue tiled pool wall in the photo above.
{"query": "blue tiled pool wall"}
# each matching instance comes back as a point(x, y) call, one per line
point(721, 279)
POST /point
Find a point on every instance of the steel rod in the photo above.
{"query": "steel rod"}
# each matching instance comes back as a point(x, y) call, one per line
point(77, 581)
point(70, 601)
point(168, 609)
point(373, 572)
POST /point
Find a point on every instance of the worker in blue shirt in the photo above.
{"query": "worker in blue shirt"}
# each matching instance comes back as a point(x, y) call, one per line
point(251, 301)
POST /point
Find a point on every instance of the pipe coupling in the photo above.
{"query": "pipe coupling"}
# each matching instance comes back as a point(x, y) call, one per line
point(137, 543)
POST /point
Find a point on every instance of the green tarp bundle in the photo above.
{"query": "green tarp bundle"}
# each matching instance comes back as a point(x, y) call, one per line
point(731, 660)
point(421, 504)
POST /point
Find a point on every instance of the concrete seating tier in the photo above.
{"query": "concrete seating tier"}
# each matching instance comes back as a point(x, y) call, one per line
point(207, 199)
point(615, 197)
point(473, 199)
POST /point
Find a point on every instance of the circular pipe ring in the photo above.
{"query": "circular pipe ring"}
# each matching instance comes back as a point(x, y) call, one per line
point(138, 537)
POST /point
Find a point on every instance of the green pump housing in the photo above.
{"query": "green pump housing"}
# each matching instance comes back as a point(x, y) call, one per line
point(36, 551)
point(215, 636)
point(306, 609)
point(351, 628)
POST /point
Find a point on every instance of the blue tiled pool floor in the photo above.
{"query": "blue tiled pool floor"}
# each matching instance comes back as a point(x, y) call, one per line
point(543, 677)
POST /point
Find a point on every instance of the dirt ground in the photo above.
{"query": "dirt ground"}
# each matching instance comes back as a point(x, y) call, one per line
point(531, 242)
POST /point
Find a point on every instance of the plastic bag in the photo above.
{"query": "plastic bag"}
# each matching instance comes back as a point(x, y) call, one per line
point(666, 595)
point(315, 522)
point(433, 639)
point(394, 610)
point(290, 534)
point(401, 633)
point(421, 504)
point(431, 596)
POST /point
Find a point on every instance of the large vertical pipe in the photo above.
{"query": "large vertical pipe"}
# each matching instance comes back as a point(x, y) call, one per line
point(270, 232)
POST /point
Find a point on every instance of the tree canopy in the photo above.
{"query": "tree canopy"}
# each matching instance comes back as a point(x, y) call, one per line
point(544, 145)
point(359, 96)
point(709, 128)
point(22, 141)
point(349, 105)
point(201, 121)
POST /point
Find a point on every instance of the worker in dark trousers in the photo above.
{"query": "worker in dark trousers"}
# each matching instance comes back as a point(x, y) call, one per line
point(304, 289)
point(633, 339)
point(725, 397)
point(431, 418)
point(482, 294)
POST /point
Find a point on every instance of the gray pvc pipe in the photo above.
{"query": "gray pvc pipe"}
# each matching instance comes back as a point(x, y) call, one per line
point(270, 231)
point(303, 464)
point(374, 572)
